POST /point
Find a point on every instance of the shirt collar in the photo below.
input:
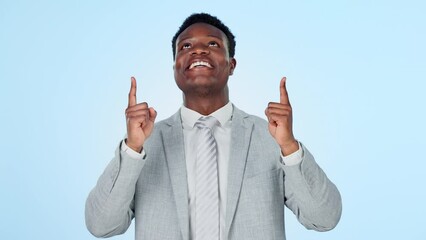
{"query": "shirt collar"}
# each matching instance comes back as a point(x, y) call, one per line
point(190, 117)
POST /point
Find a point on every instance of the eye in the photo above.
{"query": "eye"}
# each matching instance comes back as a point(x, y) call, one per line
point(186, 46)
point(213, 44)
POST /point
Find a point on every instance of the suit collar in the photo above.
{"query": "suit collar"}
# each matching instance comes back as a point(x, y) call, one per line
point(175, 157)
point(240, 140)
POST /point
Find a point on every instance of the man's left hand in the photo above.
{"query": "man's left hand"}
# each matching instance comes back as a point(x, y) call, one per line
point(280, 119)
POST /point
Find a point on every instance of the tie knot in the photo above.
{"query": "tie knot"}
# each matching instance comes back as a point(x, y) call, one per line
point(206, 122)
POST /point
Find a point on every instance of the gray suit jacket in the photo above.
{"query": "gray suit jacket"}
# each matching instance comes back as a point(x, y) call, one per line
point(155, 192)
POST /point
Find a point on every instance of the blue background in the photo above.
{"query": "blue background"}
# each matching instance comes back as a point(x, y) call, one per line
point(356, 80)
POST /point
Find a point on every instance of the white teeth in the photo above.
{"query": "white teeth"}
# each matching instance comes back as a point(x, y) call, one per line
point(200, 63)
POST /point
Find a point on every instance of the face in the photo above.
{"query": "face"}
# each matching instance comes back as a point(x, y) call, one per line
point(202, 63)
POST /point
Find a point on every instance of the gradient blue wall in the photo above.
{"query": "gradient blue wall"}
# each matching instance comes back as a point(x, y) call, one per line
point(356, 79)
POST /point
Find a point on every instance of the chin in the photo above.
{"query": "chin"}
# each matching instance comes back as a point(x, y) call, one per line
point(200, 91)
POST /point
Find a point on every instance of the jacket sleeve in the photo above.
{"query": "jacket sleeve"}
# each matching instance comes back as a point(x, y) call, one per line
point(310, 195)
point(110, 205)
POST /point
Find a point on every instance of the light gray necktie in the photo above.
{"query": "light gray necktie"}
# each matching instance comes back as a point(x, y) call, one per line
point(206, 187)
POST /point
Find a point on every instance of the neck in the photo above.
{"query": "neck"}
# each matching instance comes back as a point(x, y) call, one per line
point(205, 105)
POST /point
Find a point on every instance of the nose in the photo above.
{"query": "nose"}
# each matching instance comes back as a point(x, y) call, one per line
point(200, 49)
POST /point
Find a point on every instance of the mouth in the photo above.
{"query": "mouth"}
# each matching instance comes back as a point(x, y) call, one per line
point(199, 64)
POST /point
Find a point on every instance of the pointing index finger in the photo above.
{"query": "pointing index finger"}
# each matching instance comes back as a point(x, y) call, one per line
point(132, 93)
point(283, 92)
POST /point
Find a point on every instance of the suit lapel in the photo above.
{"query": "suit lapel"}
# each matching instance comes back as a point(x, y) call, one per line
point(240, 141)
point(175, 156)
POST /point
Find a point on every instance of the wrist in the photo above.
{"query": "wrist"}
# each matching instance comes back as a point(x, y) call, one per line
point(289, 148)
point(133, 147)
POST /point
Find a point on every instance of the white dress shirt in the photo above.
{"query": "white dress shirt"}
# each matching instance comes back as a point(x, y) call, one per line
point(222, 135)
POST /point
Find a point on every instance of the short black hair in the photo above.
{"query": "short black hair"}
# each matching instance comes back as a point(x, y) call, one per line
point(208, 19)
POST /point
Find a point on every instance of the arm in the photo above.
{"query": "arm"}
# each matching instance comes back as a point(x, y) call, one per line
point(110, 205)
point(313, 198)
point(310, 195)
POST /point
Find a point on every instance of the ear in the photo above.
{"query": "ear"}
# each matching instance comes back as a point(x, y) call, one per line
point(233, 65)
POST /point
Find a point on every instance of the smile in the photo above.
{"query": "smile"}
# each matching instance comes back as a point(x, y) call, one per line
point(200, 64)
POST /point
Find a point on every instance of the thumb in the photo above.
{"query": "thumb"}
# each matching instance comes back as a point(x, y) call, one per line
point(152, 114)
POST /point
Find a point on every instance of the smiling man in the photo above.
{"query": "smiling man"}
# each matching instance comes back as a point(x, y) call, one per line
point(210, 171)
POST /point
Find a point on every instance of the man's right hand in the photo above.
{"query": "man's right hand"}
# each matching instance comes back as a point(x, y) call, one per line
point(140, 120)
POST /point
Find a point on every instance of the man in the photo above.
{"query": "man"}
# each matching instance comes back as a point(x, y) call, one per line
point(254, 167)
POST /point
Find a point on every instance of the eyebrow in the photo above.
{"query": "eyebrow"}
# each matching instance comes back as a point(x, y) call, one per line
point(213, 36)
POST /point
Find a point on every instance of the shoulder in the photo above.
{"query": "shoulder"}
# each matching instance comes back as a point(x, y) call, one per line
point(162, 126)
point(258, 125)
point(249, 118)
point(168, 122)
